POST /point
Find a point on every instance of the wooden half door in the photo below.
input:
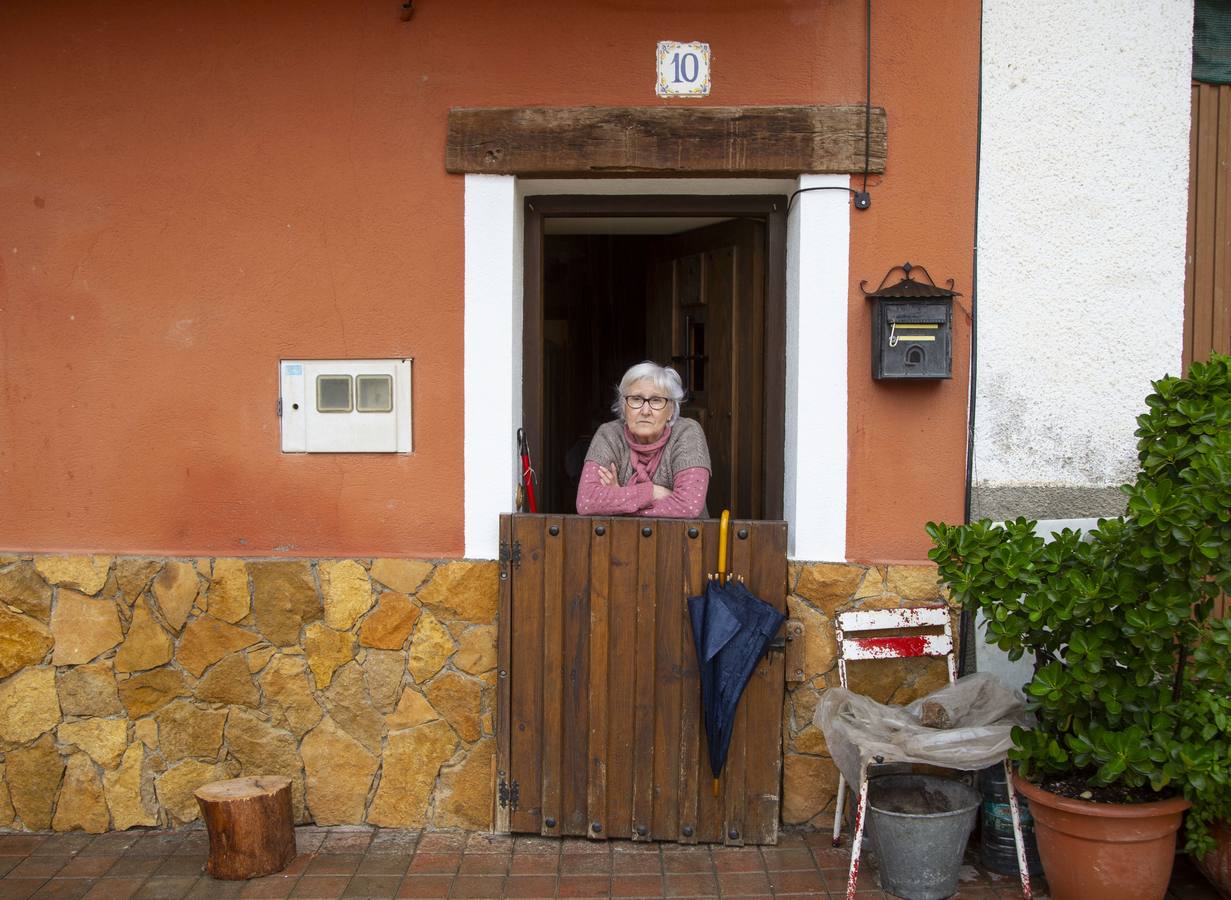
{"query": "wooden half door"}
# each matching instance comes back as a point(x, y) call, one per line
point(707, 316)
point(599, 725)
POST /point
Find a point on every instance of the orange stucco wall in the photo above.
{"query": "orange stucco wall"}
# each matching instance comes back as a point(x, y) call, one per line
point(190, 192)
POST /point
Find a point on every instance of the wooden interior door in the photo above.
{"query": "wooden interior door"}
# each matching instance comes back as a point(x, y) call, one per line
point(707, 315)
point(738, 293)
point(599, 725)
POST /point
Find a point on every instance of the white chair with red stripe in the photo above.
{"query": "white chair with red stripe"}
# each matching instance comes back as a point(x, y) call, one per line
point(921, 640)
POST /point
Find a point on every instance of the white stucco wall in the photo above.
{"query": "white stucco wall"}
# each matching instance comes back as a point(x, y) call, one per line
point(1081, 242)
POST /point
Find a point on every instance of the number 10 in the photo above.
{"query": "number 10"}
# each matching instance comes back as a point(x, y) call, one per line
point(681, 67)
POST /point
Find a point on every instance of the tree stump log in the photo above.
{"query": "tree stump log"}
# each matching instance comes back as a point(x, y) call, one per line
point(251, 832)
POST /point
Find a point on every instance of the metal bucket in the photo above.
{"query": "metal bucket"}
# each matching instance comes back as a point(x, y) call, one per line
point(919, 825)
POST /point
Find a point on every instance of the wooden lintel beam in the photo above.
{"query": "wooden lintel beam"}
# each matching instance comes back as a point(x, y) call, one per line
point(664, 140)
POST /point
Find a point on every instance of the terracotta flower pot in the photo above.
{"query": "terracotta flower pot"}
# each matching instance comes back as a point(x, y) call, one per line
point(1216, 865)
point(1104, 851)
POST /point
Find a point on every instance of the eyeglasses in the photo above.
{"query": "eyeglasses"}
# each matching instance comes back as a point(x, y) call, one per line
point(635, 402)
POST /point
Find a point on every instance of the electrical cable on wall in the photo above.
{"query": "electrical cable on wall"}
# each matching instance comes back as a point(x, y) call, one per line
point(862, 198)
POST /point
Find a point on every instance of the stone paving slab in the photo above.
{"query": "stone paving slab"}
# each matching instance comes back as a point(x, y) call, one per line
point(354, 862)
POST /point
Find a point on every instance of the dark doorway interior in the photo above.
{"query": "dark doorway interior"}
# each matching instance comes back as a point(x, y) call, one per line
point(610, 282)
point(594, 328)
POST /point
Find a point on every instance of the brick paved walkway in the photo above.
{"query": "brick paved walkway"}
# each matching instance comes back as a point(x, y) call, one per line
point(364, 862)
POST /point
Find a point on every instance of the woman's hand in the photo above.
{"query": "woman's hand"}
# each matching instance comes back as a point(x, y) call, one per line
point(607, 475)
point(660, 492)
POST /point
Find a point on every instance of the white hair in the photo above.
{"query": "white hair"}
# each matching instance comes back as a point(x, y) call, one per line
point(665, 380)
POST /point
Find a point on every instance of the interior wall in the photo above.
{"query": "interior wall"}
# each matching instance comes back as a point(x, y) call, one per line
point(596, 309)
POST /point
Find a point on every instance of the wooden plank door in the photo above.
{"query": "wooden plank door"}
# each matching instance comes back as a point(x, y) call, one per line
point(1207, 287)
point(599, 723)
point(707, 315)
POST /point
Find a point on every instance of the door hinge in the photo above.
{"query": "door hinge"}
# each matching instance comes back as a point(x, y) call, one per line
point(279, 406)
point(509, 794)
point(510, 555)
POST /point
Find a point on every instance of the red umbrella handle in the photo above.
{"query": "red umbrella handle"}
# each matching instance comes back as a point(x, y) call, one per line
point(527, 473)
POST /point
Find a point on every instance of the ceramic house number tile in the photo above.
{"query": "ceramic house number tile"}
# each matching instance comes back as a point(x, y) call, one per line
point(683, 69)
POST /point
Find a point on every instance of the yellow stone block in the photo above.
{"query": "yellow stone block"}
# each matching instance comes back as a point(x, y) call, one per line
point(915, 582)
point(476, 651)
point(327, 651)
point(83, 628)
point(820, 639)
point(129, 791)
point(227, 597)
point(81, 803)
point(229, 683)
point(458, 699)
point(206, 640)
point(336, 792)
point(463, 590)
point(413, 709)
point(809, 785)
point(430, 648)
point(288, 695)
point(186, 729)
point(29, 705)
point(402, 575)
point(828, 586)
point(175, 589)
point(147, 645)
point(103, 740)
point(87, 574)
point(388, 626)
point(7, 813)
point(175, 788)
point(34, 773)
point(23, 589)
point(347, 590)
point(133, 576)
point(464, 793)
point(284, 597)
point(24, 641)
point(145, 692)
point(411, 762)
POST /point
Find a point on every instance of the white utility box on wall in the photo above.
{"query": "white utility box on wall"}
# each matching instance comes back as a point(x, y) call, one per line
point(345, 406)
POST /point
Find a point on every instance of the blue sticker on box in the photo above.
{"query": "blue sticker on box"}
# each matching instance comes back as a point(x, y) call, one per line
point(294, 369)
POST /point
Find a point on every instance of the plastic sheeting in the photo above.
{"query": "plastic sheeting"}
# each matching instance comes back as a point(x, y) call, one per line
point(978, 711)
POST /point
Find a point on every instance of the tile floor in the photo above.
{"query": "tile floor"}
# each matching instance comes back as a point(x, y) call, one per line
point(365, 862)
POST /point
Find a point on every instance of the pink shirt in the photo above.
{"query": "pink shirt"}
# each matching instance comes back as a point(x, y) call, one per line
point(686, 500)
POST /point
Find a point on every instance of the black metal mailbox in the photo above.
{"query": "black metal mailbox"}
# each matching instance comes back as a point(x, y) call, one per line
point(912, 327)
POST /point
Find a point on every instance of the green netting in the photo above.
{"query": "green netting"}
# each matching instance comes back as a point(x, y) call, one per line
point(1212, 41)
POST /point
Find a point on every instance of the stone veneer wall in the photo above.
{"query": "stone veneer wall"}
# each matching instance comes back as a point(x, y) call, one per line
point(126, 683)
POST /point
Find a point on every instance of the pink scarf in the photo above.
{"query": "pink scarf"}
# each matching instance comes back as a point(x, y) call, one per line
point(644, 458)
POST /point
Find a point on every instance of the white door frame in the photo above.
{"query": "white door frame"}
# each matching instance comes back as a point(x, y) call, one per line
point(817, 286)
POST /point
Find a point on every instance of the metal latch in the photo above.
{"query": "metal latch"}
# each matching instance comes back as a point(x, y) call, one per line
point(793, 647)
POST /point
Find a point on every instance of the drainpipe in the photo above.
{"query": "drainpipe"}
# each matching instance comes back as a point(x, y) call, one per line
point(966, 625)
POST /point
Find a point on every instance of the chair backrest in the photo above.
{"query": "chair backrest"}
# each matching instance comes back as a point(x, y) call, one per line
point(898, 646)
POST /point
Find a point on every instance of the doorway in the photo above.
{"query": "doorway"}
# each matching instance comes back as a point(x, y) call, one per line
point(694, 282)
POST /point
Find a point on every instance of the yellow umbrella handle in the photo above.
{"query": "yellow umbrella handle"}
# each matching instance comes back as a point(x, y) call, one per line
point(722, 546)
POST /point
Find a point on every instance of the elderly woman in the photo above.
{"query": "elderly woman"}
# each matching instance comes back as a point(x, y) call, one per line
point(649, 461)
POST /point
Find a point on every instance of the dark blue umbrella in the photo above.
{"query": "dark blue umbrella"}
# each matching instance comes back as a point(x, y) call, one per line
point(731, 628)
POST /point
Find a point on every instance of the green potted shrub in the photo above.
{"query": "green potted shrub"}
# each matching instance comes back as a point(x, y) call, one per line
point(1132, 682)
